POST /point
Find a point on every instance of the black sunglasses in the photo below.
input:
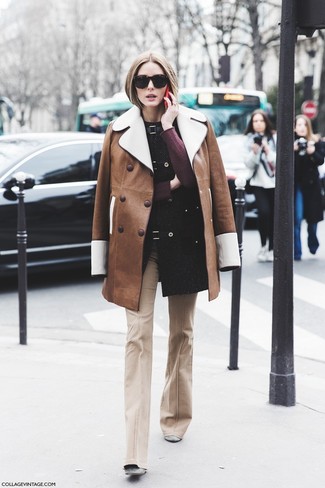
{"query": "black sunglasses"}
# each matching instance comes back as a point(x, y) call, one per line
point(142, 81)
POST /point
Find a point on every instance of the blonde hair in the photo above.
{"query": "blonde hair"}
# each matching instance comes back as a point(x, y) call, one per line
point(310, 135)
point(146, 57)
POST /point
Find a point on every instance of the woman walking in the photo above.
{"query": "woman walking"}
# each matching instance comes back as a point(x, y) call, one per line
point(261, 159)
point(162, 213)
point(308, 155)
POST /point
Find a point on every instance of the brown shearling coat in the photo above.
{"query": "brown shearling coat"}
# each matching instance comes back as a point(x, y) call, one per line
point(124, 197)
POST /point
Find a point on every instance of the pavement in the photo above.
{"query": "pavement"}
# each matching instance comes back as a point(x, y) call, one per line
point(62, 420)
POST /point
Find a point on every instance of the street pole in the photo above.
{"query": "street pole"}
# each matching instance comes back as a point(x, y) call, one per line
point(22, 260)
point(24, 182)
point(236, 275)
point(282, 376)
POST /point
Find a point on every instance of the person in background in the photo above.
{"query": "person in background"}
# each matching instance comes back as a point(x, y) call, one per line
point(308, 156)
point(95, 124)
point(162, 213)
point(260, 157)
point(321, 170)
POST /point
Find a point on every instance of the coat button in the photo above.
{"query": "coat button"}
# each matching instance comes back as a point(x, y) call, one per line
point(129, 167)
point(122, 198)
point(141, 232)
point(120, 229)
point(147, 203)
point(170, 234)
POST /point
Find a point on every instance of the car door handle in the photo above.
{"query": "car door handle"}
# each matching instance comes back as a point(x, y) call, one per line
point(85, 195)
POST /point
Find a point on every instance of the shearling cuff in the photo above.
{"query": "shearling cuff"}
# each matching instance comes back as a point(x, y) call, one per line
point(228, 251)
point(99, 257)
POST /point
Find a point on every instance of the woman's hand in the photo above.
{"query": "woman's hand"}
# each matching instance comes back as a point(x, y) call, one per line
point(256, 148)
point(171, 112)
point(175, 183)
point(265, 146)
point(310, 147)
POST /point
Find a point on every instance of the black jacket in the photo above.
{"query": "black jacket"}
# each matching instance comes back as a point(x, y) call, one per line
point(307, 178)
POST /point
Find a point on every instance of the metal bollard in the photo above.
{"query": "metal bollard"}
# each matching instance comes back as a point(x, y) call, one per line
point(23, 182)
point(240, 184)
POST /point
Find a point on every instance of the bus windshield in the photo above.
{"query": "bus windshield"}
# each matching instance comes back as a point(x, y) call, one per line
point(228, 110)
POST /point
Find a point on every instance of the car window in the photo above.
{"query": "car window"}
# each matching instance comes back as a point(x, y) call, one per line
point(62, 164)
point(13, 149)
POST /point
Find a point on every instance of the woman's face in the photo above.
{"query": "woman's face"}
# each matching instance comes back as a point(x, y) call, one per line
point(301, 127)
point(259, 124)
point(151, 96)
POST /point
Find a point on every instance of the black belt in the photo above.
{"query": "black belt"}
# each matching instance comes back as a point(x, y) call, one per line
point(157, 234)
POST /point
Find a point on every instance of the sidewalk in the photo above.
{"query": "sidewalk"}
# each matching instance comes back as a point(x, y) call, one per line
point(62, 419)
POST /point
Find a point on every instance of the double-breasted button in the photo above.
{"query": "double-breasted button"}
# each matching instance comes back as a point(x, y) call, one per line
point(141, 232)
point(120, 229)
point(130, 167)
point(122, 198)
point(147, 203)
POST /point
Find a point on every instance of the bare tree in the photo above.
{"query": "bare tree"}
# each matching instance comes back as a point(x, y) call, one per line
point(261, 35)
point(87, 49)
point(197, 18)
point(257, 44)
point(236, 24)
point(77, 35)
point(23, 66)
point(165, 27)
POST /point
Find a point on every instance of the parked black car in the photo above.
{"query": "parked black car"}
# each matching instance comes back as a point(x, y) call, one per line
point(59, 207)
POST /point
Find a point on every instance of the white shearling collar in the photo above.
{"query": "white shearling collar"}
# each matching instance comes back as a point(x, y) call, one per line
point(191, 123)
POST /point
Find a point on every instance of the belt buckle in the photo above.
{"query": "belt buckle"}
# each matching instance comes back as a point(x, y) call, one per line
point(155, 235)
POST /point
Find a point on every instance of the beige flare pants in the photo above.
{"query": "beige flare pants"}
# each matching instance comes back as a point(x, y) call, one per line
point(176, 402)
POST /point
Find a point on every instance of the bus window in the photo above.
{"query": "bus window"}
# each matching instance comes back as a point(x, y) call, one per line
point(228, 110)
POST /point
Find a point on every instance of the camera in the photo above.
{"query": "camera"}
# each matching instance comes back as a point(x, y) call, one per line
point(302, 146)
point(258, 140)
